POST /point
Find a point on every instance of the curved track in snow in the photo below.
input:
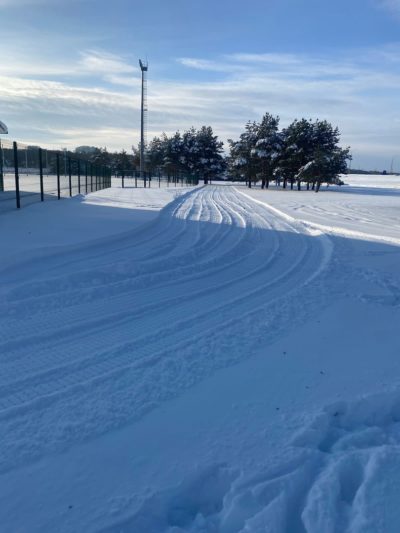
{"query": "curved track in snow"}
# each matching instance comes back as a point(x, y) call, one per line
point(106, 332)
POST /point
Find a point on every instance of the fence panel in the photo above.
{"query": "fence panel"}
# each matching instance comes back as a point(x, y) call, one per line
point(154, 179)
point(30, 174)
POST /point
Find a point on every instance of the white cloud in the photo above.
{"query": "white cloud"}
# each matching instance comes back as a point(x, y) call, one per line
point(273, 59)
point(100, 62)
point(97, 65)
point(392, 5)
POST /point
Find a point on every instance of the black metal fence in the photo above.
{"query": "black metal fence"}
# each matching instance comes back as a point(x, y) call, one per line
point(31, 174)
point(156, 178)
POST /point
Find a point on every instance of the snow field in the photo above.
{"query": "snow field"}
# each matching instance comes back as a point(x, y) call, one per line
point(172, 377)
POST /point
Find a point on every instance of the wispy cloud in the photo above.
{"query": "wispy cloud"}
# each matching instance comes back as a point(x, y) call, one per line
point(89, 63)
point(392, 5)
point(95, 61)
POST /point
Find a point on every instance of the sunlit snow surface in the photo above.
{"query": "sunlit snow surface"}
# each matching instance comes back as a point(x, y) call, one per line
point(226, 363)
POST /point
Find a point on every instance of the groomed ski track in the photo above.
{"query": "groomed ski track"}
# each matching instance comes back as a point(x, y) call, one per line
point(95, 336)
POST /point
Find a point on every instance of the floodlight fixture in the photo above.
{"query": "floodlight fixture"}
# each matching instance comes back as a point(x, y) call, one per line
point(144, 66)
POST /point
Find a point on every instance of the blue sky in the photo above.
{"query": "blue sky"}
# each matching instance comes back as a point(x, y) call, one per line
point(69, 70)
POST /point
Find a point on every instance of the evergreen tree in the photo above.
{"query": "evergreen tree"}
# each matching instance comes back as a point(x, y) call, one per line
point(268, 147)
point(243, 160)
point(311, 153)
point(297, 151)
point(155, 154)
point(209, 160)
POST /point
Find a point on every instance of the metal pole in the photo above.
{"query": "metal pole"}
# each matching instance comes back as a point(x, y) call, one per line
point(15, 148)
point(58, 175)
point(142, 134)
point(1, 168)
point(79, 176)
point(41, 174)
point(143, 68)
point(69, 176)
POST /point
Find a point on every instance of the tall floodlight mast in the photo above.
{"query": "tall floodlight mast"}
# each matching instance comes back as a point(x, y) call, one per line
point(143, 118)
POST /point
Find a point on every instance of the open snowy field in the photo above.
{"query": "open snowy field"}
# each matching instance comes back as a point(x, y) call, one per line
point(366, 205)
point(215, 359)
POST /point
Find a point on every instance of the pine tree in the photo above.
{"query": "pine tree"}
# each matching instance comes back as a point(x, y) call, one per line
point(243, 160)
point(210, 162)
point(297, 150)
point(267, 149)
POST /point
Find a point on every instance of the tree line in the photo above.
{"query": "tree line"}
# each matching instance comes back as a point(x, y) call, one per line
point(305, 152)
point(195, 153)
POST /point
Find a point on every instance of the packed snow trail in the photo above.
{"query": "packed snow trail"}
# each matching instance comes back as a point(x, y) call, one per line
point(96, 336)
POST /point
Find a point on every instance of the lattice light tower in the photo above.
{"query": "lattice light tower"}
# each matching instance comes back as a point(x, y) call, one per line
point(144, 67)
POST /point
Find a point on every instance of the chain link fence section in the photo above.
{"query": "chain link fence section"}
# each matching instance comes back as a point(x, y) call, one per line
point(31, 174)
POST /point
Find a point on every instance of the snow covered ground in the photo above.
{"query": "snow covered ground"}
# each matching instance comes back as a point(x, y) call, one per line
point(231, 365)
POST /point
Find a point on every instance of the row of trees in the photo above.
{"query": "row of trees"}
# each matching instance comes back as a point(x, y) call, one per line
point(306, 151)
point(197, 153)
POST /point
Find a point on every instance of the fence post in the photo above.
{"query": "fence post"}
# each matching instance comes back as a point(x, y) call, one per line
point(79, 176)
point(69, 176)
point(58, 175)
point(91, 177)
point(86, 176)
point(1, 168)
point(123, 179)
point(16, 171)
point(41, 174)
